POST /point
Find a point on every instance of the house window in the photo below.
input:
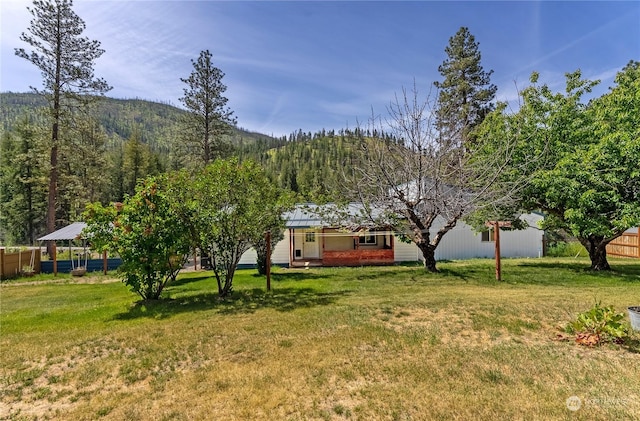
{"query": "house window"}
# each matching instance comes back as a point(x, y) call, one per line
point(367, 238)
point(488, 236)
point(310, 237)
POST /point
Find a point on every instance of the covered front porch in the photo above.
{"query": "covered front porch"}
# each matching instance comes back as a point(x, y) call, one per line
point(335, 247)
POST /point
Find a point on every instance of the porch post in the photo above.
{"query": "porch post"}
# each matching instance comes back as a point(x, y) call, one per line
point(2, 263)
point(291, 247)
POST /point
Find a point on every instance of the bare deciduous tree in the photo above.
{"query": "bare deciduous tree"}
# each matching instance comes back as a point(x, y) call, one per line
point(423, 183)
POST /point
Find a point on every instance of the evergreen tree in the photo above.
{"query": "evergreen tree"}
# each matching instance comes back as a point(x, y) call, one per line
point(207, 120)
point(81, 167)
point(115, 189)
point(22, 183)
point(66, 60)
point(136, 163)
point(465, 95)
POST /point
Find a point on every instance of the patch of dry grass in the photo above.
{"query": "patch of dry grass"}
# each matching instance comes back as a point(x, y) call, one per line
point(388, 343)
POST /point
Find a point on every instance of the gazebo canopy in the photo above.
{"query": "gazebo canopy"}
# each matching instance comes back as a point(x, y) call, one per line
point(70, 232)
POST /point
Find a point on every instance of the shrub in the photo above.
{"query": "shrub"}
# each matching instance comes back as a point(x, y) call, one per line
point(597, 325)
point(147, 235)
point(566, 249)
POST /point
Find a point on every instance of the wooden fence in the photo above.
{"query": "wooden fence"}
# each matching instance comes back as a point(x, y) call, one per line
point(627, 245)
point(13, 264)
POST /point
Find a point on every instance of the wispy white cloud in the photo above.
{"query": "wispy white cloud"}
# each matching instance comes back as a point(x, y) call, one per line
point(311, 65)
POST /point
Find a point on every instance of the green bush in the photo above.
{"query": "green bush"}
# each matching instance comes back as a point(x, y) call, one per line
point(566, 249)
point(599, 324)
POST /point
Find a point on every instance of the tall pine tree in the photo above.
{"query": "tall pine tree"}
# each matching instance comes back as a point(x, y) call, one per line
point(465, 95)
point(66, 60)
point(208, 119)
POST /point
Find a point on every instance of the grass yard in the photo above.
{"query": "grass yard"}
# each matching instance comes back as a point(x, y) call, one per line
point(383, 343)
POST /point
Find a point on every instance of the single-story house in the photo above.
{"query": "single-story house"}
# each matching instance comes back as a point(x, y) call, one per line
point(310, 240)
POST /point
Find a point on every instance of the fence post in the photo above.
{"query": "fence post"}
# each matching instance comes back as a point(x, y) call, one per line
point(1, 264)
point(54, 254)
point(268, 268)
point(496, 238)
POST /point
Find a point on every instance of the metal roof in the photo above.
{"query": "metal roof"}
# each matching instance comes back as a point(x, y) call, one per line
point(310, 215)
point(303, 216)
point(70, 232)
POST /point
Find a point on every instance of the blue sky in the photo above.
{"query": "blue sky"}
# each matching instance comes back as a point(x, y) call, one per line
point(312, 65)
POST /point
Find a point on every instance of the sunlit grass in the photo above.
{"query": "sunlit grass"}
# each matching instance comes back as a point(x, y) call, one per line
point(346, 343)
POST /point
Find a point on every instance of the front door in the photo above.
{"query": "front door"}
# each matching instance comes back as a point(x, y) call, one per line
point(311, 244)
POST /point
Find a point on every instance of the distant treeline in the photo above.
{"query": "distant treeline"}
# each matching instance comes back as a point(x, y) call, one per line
point(121, 141)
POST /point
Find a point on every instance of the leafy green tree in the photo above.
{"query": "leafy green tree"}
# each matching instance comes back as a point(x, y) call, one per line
point(227, 206)
point(272, 221)
point(66, 61)
point(207, 119)
point(146, 234)
point(465, 95)
point(601, 179)
point(586, 179)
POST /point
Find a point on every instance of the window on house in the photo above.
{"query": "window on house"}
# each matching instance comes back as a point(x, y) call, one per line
point(488, 236)
point(310, 237)
point(367, 238)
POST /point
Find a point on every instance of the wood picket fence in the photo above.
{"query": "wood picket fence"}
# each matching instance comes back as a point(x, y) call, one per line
point(627, 245)
point(13, 264)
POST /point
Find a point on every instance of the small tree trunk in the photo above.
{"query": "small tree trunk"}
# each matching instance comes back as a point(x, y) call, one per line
point(226, 288)
point(429, 256)
point(261, 259)
point(598, 258)
point(597, 248)
point(228, 285)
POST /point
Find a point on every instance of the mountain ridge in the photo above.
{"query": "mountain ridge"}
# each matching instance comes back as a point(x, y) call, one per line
point(157, 121)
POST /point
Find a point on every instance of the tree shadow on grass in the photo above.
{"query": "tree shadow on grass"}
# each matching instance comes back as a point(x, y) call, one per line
point(464, 274)
point(183, 280)
point(624, 272)
point(240, 302)
point(295, 275)
point(329, 273)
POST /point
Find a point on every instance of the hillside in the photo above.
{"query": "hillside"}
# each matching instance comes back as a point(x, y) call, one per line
point(156, 122)
point(306, 163)
point(135, 141)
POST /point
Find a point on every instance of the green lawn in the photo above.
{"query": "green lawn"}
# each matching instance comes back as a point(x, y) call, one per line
point(384, 343)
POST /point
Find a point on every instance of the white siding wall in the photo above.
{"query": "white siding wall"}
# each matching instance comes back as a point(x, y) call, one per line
point(459, 243)
point(405, 252)
point(279, 255)
point(462, 243)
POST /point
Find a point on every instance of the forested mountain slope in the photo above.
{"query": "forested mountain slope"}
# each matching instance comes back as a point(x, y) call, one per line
point(156, 122)
point(104, 157)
